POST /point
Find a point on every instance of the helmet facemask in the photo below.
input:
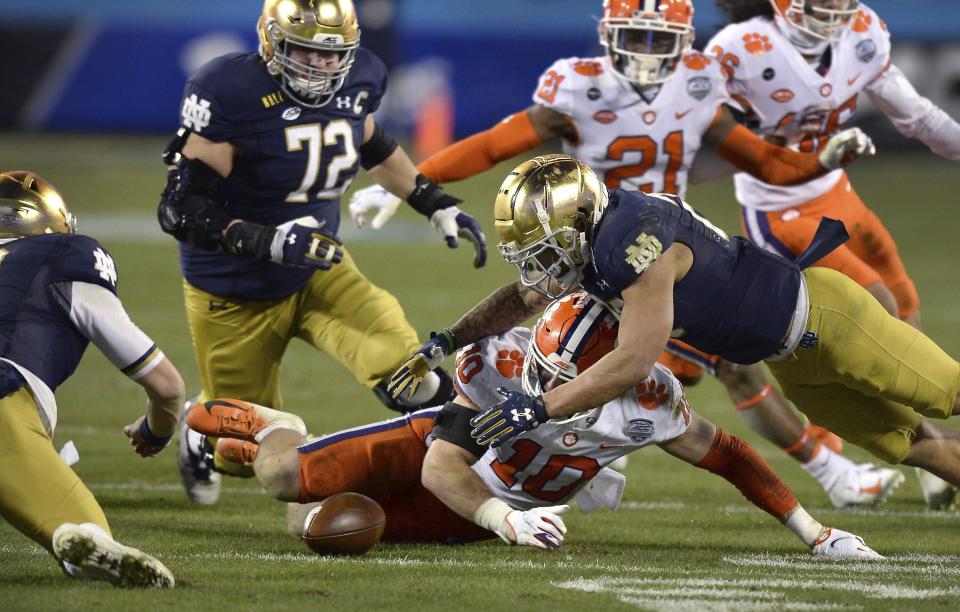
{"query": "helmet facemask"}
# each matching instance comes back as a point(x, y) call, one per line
point(310, 86)
point(820, 19)
point(645, 51)
point(547, 266)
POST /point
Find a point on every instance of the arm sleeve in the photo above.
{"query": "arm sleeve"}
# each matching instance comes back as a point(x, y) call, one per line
point(768, 162)
point(913, 115)
point(483, 150)
point(100, 317)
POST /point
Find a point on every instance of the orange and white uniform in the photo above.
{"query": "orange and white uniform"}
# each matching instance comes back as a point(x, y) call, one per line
point(629, 142)
point(801, 105)
point(562, 460)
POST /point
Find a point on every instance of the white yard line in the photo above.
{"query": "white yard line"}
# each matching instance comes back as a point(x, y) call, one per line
point(748, 509)
point(942, 566)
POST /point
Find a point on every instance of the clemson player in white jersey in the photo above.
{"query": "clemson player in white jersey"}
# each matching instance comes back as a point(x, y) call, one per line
point(507, 491)
point(637, 116)
point(798, 68)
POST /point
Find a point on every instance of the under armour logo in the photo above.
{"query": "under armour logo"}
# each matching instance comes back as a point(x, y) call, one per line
point(106, 267)
point(526, 415)
point(343, 101)
point(195, 113)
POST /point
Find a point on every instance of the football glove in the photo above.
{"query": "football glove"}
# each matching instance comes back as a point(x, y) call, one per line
point(452, 222)
point(516, 414)
point(303, 243)
point(373, 199)
point(539, 527)
point(427, 358)
point(844, 148)
point(837, 544)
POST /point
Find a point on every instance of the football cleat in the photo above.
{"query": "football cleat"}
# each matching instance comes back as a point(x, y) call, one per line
point(237, 451)
point(233, 418)
point(864, 484)
point(937, 492)
point(195, 462)
point(837, 544)
point(89, 555)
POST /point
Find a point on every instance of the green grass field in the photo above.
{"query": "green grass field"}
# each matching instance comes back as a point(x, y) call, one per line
point(682, 540)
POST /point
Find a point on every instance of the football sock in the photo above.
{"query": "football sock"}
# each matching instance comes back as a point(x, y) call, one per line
point(805, 526)
point(827, 466)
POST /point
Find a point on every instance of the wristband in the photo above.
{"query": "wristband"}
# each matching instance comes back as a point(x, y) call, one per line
point(448, 336)
point(149, 437)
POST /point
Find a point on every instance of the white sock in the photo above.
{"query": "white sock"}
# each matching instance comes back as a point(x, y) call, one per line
point(805, 526)
point(827, 466)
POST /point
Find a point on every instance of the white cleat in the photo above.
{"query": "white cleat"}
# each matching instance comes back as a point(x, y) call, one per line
point(937, 492)
point(195, 462)
point(89, 555)
point(865, 484)
point(837, 544)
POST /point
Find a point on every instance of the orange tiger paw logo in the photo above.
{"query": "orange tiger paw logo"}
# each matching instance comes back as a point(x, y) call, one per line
point(862, 22)
point(696, 61)
point(588, 68)
point(510, 363)
point(651, 395)
point(757, 44)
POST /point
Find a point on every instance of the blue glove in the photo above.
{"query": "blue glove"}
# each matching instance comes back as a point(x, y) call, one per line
point(516, 414)
point(305, 244)
point(452, 222)
point(427, 358)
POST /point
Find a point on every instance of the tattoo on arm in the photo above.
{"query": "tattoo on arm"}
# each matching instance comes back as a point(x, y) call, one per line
point(500, 311)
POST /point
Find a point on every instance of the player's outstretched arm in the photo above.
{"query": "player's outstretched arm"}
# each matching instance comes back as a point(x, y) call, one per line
point(502, 310)
point(913, 115)
point(152, 432)
point(779, 165)
point(708, 447)
point(448, 475)
point(391, 168)
point(514, 135)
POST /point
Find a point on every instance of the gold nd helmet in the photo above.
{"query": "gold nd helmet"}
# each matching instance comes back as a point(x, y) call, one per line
point(314, 25)
point(544, 216)
point(30, 206)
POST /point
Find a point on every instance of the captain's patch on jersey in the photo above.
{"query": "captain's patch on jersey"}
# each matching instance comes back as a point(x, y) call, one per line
point(195, 113)
point(644, 252)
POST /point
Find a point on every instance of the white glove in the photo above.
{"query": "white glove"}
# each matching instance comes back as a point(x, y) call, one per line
point(539, 527)
point(844, 148)
point(373, 198)
point(837, 544)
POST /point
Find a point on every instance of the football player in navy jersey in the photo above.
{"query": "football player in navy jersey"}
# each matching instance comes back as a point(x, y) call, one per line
point(58, 293)
point(837, 353)
point(268, 143)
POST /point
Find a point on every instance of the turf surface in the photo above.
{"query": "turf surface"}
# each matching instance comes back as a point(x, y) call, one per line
point(682, 540)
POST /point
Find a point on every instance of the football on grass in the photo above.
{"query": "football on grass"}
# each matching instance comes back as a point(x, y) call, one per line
point(344, 524)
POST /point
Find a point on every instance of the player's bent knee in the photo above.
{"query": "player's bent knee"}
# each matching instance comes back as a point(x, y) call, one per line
point(741, 379)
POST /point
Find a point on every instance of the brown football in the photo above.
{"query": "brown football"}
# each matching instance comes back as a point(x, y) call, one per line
point(344, 524)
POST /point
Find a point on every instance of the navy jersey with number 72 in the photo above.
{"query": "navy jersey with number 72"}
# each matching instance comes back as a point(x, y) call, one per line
point(290, 161)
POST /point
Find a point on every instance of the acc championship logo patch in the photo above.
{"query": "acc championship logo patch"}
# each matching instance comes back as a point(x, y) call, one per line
point(866, 49)
point(644, 252)
point(195, 113)
point(699, 87)
point(639, 430)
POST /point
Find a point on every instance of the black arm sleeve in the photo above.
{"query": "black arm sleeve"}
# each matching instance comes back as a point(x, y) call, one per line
point(453, 426)
point(376, 150)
